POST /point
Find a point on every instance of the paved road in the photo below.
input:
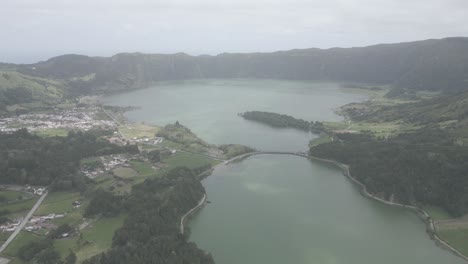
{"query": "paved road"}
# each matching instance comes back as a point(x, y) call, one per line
point(182, 220)
point(116, 121)
point(25, 220)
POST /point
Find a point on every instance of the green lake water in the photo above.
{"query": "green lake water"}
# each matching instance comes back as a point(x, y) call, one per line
point(272, 209)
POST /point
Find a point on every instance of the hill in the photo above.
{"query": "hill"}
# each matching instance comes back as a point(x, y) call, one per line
point(22, 91)
point(435, 65)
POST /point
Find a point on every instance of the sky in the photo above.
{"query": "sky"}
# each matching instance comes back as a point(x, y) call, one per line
point(36, 30)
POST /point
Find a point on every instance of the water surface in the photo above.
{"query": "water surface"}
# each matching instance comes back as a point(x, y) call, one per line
point(210, 108)
point(277, 209)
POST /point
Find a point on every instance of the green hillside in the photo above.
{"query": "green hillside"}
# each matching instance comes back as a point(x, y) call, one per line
point(19, 91)
point(434, 65)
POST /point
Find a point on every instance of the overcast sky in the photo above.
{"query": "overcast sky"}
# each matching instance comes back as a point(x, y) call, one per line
point(35, 30)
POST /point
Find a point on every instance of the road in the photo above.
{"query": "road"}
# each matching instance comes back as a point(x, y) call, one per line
point(182, 220)
point(25, 220)
point(116, 121)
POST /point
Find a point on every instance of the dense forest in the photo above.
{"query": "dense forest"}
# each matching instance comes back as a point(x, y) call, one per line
point(424, 167)
point(280, 120)
point(29, 159)
point(151, 232)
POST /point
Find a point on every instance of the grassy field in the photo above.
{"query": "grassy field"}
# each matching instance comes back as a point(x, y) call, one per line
point(188, 160)
point(320, 140)
point(382, 129)
point(437, 213)
point(142, 168)
point(335, 125)
point(97, 237)
point(42, 90)
point(372, 93)
point(52, 132)
point(58, 203)
point(457, 238)
point(125, 173)
point(19, 206)
point(171, 144)
point(22, 239)
point(139, 130)
point(8, 196)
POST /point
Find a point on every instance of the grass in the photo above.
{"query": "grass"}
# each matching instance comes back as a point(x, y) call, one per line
point(148, 147)
point(101, 116)
point(52, 132)
point(90, 161)
point(320, 140)
point(335, 125)
point(457, 238)
point(58, 202)
point(13, 195)
point(171, 144)
point(22, 239)
point(437, 213)
point(4, 236)
point(383, 129)
point(20, 206)
point(125, 173)
point(43, 90)
point(373, 93)
point(99, 234)
point(188, 160)
point(142, 168)
point(139, 130)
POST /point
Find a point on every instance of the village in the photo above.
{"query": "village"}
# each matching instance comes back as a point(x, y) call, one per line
point(36, 222)
point(76, 118)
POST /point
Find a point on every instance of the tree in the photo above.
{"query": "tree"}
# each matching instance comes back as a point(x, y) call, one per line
point(71, 258)
point(154, 155)
point(48, 256)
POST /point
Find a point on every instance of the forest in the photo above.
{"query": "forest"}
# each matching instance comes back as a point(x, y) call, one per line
point(280, 120)
point(420, 168)
point(52, 161)
point(151, 233)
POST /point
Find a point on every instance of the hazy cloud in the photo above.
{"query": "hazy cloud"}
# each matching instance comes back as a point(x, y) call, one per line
point(40, 29)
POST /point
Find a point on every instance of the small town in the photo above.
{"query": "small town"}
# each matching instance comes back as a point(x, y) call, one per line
point(77, 118)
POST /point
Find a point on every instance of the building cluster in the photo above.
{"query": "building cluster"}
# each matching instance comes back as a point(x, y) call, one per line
point(76, 118)
point(150, 141)
point(109, 163)
point(42, 222)
point(35, 190)
point(11, 226)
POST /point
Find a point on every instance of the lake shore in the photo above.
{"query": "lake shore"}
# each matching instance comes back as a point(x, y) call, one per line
point(430, 228)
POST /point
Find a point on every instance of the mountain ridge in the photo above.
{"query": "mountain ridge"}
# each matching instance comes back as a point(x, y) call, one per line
point(408, 67)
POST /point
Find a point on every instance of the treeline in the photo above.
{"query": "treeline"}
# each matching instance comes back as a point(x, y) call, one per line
point(29, 159)
point(424, 167)
point(280, 120)
point(151, 233)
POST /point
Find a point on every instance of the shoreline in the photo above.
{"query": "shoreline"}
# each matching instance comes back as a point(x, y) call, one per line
point(200, 204)
point(423, 215)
